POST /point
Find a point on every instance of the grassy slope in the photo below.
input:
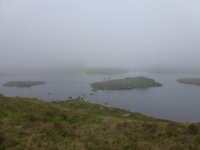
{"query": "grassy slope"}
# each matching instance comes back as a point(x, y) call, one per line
point(78, 125)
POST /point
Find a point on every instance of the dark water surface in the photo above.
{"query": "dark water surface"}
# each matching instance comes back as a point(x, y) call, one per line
point(173, 101)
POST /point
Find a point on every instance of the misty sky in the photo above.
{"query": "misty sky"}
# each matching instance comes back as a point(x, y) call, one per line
point(133, 33)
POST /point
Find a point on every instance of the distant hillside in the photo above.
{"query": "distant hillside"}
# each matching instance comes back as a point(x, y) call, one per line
point(31, 124)
point(106, 71)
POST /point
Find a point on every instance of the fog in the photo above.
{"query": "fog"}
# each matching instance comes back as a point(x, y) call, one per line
point(50, 34)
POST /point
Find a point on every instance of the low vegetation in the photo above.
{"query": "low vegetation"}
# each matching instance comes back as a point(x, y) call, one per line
point(194, 81)
point(32, 124)
point(124, 84)
point(23, 83)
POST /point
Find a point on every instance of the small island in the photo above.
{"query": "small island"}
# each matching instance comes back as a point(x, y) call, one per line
point(194, 81)
point(23, 84)
point(125, 84)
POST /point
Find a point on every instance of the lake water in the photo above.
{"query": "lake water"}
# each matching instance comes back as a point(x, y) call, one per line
point(172, 101)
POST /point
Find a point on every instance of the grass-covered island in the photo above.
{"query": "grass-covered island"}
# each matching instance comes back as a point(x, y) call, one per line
point(194, 81)
point(32, 124)
point(124, 84)
point(23, 83)
point(106, 71)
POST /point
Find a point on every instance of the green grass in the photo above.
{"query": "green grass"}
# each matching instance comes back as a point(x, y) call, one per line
point(124, 84)
point(194, 81)
point(32, 124)
point(21, 84)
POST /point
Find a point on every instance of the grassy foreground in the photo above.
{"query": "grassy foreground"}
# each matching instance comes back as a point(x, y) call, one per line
point(31, 124)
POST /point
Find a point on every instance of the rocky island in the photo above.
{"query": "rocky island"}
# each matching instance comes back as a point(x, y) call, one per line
point(125, 84)
point(194, 81)
point(23, 84)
